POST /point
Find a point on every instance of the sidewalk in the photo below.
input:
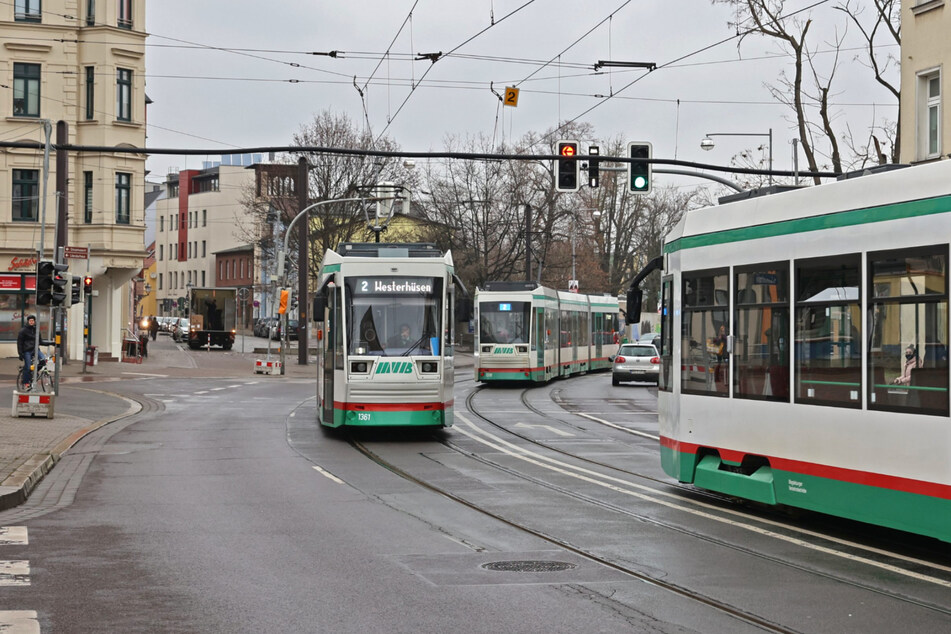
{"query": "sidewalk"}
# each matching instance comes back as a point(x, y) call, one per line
point(29, 447)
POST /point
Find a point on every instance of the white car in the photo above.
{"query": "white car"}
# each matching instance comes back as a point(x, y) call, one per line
point(635, 362)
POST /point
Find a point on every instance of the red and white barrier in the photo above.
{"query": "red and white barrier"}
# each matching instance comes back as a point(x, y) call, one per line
point(267, 367)
point(33, 404)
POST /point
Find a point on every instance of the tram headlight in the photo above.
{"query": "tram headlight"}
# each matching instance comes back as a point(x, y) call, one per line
point(358, 367)
point(429, 366)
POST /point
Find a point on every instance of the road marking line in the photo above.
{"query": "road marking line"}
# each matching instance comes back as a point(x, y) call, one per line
point(232, 386)
point(15, 572)
point(652, 495)
point(202, 392)
point(19, 622)
point(624, 429)
point(163, 376)
point(218, 389)
point(327, 474)
point(13, 536)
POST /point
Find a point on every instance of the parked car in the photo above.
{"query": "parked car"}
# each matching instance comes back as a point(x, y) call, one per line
point(651, 339)
point(635, 362)
point(291, 329)
point(180, 330)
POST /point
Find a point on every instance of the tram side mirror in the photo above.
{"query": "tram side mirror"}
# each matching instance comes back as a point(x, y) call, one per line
point(318, 307)
point(634, 306)
point(463, 309)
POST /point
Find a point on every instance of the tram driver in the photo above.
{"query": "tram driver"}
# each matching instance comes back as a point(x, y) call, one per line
point(403, 340)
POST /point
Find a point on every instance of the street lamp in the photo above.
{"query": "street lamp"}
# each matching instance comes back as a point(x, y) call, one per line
point(706, 143)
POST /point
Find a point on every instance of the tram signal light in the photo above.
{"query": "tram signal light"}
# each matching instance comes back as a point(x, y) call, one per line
point(640, 171)
point(594, 175)
point(566, 176)
point(87, 286)
point(76, 290)
point(50, 283)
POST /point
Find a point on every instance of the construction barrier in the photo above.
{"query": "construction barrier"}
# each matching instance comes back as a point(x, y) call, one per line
point(267, 367)
point(33, 404)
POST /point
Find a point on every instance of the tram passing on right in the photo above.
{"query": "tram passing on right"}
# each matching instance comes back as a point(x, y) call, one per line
point(529, 333)
point(804, 352)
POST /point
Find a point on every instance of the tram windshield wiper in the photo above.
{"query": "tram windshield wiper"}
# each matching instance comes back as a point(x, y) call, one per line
point(414, 346)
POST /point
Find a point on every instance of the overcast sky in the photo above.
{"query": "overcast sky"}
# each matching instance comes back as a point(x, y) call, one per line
point(264, 87)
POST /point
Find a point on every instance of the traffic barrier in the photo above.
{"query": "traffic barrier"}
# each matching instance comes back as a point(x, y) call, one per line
point(92, 355)
point(267, 367)
point(33, 404)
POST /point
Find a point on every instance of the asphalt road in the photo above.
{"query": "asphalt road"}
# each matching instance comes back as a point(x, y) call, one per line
point(223, 507)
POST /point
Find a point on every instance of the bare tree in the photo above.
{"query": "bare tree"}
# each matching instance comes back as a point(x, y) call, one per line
point(807, 89)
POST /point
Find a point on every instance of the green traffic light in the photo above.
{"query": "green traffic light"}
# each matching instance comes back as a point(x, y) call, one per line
point(640, 182)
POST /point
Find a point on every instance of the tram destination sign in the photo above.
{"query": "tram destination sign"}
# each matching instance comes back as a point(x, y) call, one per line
point(393, 285)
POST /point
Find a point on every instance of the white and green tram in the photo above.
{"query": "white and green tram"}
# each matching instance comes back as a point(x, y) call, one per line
point(526, 332)
point(386, 337)
point(805, 349)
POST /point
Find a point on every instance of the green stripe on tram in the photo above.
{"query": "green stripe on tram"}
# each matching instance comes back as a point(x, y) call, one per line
point(832, 220)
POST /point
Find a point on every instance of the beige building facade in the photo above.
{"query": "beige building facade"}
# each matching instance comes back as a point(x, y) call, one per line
point(81, 62)
point(925, 50)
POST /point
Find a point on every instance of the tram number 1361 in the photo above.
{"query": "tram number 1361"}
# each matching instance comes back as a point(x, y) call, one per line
point(363, 416)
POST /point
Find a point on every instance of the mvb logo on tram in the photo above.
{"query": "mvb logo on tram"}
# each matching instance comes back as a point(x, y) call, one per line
point(395, 367)
point(504, 350)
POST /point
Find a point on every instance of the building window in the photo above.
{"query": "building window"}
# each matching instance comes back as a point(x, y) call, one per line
point(123, 198)
point(161, 252)
point(202, 278)
point(173, 190)
point(27, 11)
point(204, 217)
point(929, 115)
point(26, 90)
point(908, 338)
point(87, 197)
point(90, 12)
point(125, 14)
point(90, 92)
point(26, 198)
point(204, 251)
point(123, 94)
point(161, 222)
point(160, 281)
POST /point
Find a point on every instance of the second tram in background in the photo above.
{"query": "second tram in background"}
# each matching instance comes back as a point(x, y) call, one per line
point(386, 343)
point(527, 332)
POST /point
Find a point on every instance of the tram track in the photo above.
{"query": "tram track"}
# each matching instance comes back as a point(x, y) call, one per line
point(725, 608)
point(907, 564)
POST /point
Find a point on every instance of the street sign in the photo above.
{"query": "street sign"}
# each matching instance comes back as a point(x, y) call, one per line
point(511, 97)
point(77, 253)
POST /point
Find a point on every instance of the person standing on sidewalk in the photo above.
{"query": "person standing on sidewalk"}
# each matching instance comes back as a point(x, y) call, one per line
point(26, 347)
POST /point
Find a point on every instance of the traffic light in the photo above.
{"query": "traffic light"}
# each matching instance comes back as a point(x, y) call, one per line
point(76, 290)
point(566, 178)
point(50, 283)
point(87, 286)
point(594, 174)
point(282, 304)
point(640, 171)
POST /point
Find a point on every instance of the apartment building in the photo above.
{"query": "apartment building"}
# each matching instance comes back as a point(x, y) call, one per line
point(925, 47)
point(81, 62)
point(202, 214)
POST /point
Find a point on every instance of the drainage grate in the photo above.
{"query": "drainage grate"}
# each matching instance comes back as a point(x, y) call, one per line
point(529, 566)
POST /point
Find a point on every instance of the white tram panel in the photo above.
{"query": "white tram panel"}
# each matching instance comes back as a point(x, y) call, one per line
point(893, 443)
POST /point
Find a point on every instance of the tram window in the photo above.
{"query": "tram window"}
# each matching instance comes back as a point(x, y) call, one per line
point(761, 329)
point(664, 382)
point(505, 322)
point(381, 309)
point(704, 359)
point(829, 331)
point(908, 353)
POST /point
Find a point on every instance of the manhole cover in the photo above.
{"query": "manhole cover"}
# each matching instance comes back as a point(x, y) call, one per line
point(529, 566)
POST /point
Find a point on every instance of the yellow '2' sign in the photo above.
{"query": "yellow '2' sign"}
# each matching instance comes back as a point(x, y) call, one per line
point(511, 97)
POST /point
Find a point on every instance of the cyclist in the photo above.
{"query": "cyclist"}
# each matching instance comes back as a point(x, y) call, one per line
point(26, 346)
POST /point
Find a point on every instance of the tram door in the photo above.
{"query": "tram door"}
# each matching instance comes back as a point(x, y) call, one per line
point(540, 339)
point(332, 347)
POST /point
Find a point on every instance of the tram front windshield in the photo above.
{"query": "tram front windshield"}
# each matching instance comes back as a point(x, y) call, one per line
point(504, 322)
point(393, 316)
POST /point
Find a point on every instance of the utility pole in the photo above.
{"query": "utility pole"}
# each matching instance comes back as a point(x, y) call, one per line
point(528, 242)
point(303, 256)
point(62, 230)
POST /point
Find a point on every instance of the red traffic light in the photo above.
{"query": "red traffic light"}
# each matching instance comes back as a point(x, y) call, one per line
point(569, 149)
point(87, 283)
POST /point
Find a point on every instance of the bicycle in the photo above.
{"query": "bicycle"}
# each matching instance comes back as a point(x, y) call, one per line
point(42, 378)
